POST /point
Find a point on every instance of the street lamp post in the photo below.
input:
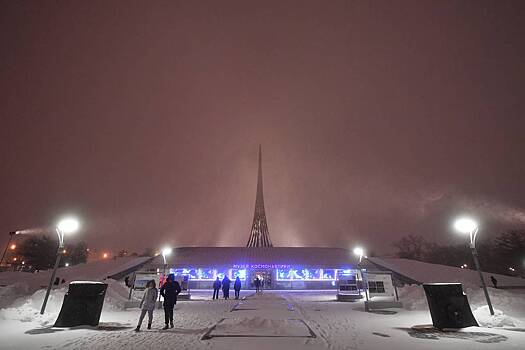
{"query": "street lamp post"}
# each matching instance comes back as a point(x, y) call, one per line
point(65, 226)
point(11, 234)
point(465, 225)
point(165, 252)
point(360, 252)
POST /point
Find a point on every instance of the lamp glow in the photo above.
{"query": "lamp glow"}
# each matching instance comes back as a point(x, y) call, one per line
point(166, 251)
point(359, 251)
point(465, 225)
point(68, 225)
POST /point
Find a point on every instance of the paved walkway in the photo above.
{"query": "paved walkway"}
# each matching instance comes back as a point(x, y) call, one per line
point(264, 321)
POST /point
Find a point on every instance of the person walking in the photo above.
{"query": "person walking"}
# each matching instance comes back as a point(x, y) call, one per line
point(169, 291)
point(216, 287)
point(257, 283)
point(237, 287)
point(148, 304)
point(494, 281)
point(226, 287)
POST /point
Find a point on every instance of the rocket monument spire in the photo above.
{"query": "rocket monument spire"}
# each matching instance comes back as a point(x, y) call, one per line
point(259, 236)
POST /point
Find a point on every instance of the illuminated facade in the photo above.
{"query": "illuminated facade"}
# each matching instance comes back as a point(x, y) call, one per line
point(278, 267)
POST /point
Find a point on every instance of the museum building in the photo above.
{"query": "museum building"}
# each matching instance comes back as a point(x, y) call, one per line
point(277, 267)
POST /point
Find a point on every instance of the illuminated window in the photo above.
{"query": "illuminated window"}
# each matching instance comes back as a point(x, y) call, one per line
point(222, 273)
point(329, 274)
point(299, 274)
point(207, 274)
point(241, 273)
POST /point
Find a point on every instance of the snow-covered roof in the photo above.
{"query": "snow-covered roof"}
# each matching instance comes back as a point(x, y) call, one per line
point(421, 272)
point(230, 256)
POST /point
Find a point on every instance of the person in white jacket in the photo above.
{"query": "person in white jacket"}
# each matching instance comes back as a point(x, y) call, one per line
point(148, 304)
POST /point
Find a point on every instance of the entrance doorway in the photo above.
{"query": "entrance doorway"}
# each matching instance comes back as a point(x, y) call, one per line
point(264, 275)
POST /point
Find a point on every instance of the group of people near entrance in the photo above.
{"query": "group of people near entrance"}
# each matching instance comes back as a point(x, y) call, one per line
point(169, 291)
point(225, 285)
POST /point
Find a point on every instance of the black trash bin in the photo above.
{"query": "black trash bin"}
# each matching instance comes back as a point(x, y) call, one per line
point(448, 305)
point(82, 304)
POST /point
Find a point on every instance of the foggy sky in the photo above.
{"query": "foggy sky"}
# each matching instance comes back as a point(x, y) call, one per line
point(377, 119)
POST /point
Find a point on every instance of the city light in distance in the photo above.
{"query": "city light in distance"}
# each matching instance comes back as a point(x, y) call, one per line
point(13, 246)
point(66, 264)
point(105, 255)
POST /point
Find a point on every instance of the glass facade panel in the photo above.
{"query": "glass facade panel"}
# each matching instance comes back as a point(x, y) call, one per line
point(241, 273)
point(304, 274)
point(282, 274)
point(329, 274)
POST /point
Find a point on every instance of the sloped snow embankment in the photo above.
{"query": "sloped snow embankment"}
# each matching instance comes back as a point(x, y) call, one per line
point(27, 309)
point(507, 304)
point(16, 285)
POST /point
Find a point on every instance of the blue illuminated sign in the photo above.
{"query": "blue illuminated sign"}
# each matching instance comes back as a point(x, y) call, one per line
point(261, 266)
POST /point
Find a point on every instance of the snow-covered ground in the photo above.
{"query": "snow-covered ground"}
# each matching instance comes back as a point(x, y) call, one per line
point(270, 320)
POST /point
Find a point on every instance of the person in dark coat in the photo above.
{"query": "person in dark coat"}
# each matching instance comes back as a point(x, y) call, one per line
point(257, 283)
point(237, 287)
point(216, 287)
point(226, 287)
point(494, 281)
point(169, 291)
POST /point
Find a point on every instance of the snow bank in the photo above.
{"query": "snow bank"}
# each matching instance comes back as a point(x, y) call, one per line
point(20, 284)
point(10, 293)
point(116, 295)
point(27, 308)
point(499, 319)
point(507, 303)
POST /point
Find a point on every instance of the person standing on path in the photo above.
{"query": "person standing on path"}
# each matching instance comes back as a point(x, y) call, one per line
point(237, 287)
point(169, 291)
point(226, 287)
point(257, 283)
point(216, 287)
point(148, 304)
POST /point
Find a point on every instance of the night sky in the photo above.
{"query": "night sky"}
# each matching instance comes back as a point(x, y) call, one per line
point(377, 119)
